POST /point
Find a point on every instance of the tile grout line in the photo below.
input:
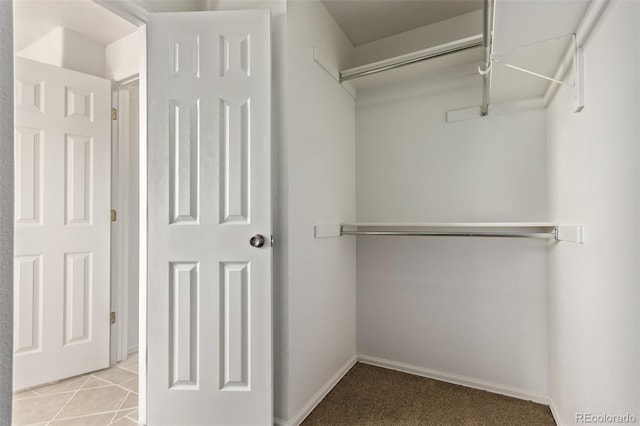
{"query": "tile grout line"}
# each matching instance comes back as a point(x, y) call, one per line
point(133, 420)
point(68, 401)
point(123, 388)
point(35, 389)
point(127, 396)
point(128, 392)
point(98, 413)
point(67, 391)
point(119, 407)
point(126, 415)
point(109, 384)
point(82, 381)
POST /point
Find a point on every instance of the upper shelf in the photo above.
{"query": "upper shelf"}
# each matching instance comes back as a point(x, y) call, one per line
point(507, 83)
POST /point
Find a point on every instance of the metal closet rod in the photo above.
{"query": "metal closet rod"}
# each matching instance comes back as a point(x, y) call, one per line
point(553, 235)
point(430, 53)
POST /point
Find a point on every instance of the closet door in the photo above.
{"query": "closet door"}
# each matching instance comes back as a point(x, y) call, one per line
point(209, 221)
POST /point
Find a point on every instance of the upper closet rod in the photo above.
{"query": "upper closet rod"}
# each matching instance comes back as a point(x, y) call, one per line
point(540, 235)
point(486, 45)
point(412, 58)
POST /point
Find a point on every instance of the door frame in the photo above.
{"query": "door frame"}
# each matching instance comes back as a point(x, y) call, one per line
point(137, 12)
point(121, 202)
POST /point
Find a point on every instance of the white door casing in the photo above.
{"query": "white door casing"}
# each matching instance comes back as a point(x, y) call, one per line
point(62, 197)
point(209, 324)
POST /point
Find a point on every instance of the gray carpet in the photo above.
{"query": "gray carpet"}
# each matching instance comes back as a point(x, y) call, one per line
point(369, 395)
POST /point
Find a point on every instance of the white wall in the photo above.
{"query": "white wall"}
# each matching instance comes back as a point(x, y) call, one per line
point(47, 49)
point(593, 180)
point(122, 58)
point(6, 211)
point(67, 49)
point(320, 157)
point(469, 310)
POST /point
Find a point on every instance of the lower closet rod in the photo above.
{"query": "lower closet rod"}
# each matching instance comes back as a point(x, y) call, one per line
point(545, 236)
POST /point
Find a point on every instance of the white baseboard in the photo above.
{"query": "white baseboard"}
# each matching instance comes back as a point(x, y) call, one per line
point(279, 422)
point(554, 413)
point(132, 349)
point(319, 396)
point(456, 379)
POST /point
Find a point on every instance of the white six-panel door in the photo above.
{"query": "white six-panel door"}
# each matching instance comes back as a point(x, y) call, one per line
point(209, 291)
point(62, 220)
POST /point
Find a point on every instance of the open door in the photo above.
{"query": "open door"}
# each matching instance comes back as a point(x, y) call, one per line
point(62, 221)
point(209, 327)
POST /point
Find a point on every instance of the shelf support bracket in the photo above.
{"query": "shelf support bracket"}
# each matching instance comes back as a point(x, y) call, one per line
point(574, 57)
point(535, 74)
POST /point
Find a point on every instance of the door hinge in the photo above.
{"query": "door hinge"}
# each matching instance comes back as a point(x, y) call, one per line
point(112, 318)
point(114, 215)
point(114, 114)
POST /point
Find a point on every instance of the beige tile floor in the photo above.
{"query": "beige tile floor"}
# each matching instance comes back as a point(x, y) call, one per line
point(101, 398)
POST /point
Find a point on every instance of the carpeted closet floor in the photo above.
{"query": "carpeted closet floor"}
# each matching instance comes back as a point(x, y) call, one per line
point(369, 395)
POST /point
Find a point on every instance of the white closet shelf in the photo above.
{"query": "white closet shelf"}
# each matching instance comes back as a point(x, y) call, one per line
point(537, 230)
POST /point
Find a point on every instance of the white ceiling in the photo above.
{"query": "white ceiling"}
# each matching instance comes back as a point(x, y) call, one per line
point(36, 18)
point(361, 20)
point(368, 20)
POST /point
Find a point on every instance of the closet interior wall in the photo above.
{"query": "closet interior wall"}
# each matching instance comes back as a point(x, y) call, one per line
point(471, 311)
point(594, 180)
point(320, 332)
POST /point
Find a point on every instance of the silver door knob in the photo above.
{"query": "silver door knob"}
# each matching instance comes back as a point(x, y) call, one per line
point(257, 241)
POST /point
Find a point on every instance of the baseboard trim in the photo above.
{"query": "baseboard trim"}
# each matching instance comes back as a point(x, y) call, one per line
point(132, 349)
point(554, 412)
point(456, 379)
point(279, 422)
point(319, 396)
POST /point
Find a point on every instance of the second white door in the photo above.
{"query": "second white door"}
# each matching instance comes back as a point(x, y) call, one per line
point(62, 221)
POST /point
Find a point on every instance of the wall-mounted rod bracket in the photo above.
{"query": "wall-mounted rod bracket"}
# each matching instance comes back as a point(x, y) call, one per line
point(331, 69)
